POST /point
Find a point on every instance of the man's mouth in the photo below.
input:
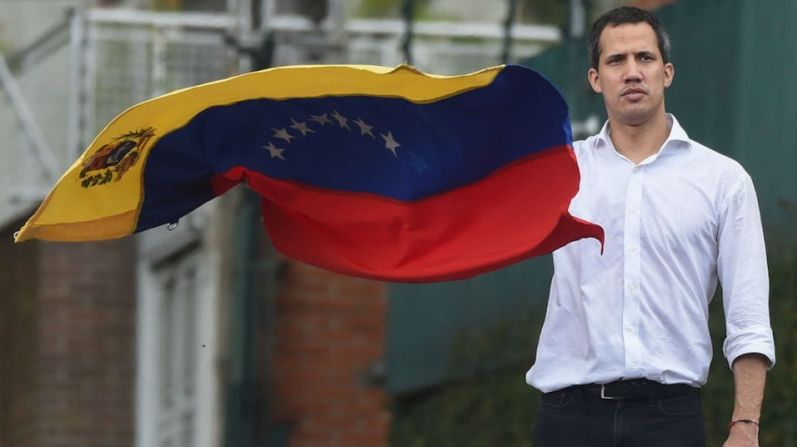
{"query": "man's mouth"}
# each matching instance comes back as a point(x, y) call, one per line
point(634, 94)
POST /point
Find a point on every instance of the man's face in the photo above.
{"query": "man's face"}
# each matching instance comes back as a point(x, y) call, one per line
point(631, 74)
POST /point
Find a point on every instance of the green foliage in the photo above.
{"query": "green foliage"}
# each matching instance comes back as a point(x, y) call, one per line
point(780, 403)
point(490, 410)
point(390, 8)
point(379, 8)
point(554, 12)
point(5, 44)
point(488, 403)
point(167, 5)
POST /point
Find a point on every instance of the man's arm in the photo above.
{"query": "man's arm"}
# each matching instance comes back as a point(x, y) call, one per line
point(749, 373)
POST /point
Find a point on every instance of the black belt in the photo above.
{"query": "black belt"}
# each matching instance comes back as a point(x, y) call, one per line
point(635, 389)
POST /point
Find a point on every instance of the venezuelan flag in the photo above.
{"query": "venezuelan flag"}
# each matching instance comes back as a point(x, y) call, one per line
point(378, 172)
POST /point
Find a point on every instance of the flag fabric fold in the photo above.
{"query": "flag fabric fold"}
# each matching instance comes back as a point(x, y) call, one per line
point(379, 172)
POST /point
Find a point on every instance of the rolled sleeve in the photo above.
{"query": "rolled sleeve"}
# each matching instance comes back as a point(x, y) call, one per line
point(754, 340)
point(743, 273)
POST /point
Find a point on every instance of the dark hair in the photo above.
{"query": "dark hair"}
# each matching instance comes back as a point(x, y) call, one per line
point(623, 15)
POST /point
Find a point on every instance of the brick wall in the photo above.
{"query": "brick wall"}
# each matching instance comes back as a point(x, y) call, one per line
point(329, 333)
point(70, 337)
point(18, 339)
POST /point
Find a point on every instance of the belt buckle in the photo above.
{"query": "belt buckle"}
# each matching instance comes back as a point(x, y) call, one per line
point(604, 396)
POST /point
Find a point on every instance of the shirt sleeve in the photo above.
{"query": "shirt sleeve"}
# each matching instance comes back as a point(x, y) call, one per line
point(743, 273)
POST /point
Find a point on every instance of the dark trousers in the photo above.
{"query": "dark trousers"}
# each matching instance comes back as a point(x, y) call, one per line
point(636, 413)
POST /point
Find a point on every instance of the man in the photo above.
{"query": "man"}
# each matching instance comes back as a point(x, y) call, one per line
point(625, 345)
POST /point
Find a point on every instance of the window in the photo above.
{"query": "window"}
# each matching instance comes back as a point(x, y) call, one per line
point(177, 349)
point(177, 390)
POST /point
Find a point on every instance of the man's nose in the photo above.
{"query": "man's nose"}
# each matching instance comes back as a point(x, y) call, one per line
point(633, 72)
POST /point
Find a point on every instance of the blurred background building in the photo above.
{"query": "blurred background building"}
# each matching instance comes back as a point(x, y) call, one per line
point(200, 334)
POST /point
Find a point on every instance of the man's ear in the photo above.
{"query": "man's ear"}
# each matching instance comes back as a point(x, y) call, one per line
point(669, 74)
point(594, 78)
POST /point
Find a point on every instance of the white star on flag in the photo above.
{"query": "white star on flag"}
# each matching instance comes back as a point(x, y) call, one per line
point(390, 142)
point(283, 134)
point(275, 151)
point(365, 129)
point(301, 127)
point(322, 119)
point(342, 120)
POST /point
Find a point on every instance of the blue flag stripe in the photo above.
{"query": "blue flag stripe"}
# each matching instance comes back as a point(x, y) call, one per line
point(385, 146)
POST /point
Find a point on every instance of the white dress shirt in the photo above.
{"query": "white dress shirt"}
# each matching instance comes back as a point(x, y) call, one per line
point(675, 224)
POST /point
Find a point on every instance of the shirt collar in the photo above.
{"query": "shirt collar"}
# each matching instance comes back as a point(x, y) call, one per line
point(677, 134)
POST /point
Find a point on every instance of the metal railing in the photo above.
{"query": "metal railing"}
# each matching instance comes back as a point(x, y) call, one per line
point(438, 47)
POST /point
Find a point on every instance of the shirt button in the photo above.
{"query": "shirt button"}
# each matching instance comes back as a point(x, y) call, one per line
point(632, 288)
point(634, 249)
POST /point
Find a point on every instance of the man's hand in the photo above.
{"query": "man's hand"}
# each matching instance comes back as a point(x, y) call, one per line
point(742, 435)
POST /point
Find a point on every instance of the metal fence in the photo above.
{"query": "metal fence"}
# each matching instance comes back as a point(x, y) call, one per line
point(111, 60)
point(437, 47)
point(130, 56)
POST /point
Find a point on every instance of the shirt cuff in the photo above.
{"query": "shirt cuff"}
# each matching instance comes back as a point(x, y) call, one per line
point(755, 340)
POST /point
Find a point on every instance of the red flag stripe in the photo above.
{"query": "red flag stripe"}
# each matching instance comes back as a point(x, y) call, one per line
point(453, 235)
